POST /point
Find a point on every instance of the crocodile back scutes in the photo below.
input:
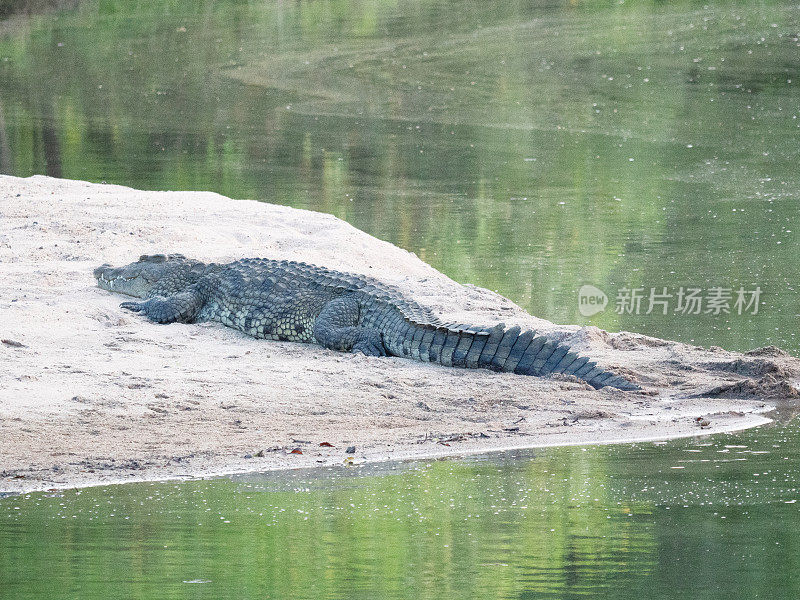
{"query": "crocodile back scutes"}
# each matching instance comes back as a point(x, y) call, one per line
point(305, 274)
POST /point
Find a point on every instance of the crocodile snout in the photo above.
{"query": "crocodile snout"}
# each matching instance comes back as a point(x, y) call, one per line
point(99, 271)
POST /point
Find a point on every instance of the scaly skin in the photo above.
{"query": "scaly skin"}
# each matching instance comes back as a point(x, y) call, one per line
point(290, 301)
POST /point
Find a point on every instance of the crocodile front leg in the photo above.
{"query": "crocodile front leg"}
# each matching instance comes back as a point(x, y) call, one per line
point(337, 328)
point(178, 308)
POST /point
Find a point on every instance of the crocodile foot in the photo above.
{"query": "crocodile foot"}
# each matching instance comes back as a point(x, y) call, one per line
point(370, 343)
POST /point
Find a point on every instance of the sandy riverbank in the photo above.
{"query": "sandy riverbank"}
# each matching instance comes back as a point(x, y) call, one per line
point(92, 394)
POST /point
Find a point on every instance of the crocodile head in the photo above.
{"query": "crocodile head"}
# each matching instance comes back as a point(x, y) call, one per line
point(153, 273)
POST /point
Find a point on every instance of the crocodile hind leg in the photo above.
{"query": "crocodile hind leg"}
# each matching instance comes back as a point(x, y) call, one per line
point(336, 328)
point(178, 308)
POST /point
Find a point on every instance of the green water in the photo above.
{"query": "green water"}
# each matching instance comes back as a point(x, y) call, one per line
point(528, 147)
point(702, 519)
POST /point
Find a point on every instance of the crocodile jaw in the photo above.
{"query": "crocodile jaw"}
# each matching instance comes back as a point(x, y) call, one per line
point(122, 280)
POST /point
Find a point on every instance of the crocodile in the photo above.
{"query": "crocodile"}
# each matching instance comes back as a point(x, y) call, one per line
point(294, 301)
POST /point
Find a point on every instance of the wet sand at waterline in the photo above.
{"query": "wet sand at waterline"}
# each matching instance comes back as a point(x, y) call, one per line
point(91, 394)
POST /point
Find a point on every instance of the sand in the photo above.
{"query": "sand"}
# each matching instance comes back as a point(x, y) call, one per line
point(91, 394)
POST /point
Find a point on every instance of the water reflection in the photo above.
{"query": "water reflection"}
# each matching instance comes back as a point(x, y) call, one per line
point(707, 518)
point(529, 148)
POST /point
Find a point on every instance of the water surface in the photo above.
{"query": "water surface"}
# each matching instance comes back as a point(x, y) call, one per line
point(528, 147)
point(704, 519)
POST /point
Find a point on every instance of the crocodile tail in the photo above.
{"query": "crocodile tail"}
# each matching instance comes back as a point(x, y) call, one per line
point(500, 349)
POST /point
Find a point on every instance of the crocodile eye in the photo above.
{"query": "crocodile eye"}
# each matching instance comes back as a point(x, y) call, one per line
point(152, 258)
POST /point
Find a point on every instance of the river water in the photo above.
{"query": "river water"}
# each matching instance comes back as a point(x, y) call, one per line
point(707, 518)
point(528, 147)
